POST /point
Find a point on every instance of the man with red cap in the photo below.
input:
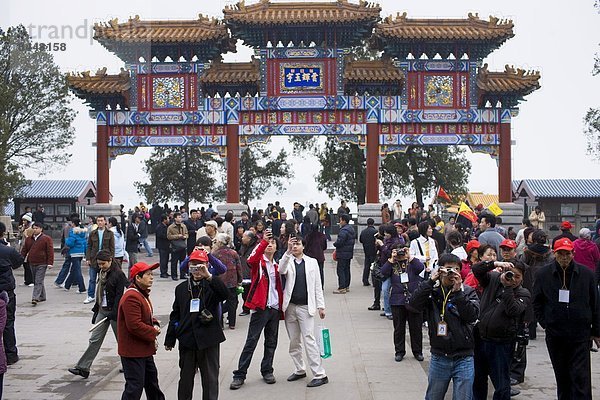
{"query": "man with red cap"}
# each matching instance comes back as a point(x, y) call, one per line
point(567, 306)
point(137, 330)
point(195, 323)
point(565, 227)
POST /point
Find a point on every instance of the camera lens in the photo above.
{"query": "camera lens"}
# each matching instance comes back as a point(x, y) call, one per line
point(509, 275)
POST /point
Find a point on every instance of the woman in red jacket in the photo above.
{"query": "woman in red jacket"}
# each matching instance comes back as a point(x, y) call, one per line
point(137, 330)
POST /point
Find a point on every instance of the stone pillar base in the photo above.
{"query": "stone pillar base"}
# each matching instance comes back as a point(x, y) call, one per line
point(237, 209)
point(106, 209)
point(512, 215)
point(366, 211)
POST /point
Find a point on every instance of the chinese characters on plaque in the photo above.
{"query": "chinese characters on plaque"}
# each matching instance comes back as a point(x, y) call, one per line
point(295, 78)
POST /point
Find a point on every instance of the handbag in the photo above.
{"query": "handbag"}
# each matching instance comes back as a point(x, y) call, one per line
point(178, 244)
point(376, 271)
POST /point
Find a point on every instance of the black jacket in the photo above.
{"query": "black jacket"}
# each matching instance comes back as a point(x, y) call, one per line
point(116, 283)
point(132, 240)
point(502, 308)
point(186, 326)
point(162, 243)
point(462, 310)
point(577, 320)
point(367, 238)
point(9, 259)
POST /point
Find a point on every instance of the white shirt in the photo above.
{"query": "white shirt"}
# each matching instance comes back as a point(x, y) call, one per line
point(273, 296)
point(460, 252)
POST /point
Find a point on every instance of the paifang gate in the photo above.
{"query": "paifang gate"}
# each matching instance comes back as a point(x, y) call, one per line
point(430, 86)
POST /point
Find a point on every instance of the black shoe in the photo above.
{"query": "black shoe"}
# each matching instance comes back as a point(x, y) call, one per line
point(164, 276)
point(382, 314)
point(366, 284)
point(269, 378)
point(374, 307)
point(12, 360)
point(419, 357)
point(514, 392)
point(174, 277)
point(514, 382)
point(390, 317)
point(399, 357)
point(244, 313)
point(318, 382)
point(80, 372)
point(236, 383)
point(295, 377)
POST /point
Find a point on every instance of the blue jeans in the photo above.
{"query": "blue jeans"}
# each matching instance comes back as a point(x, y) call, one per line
point(92, 282)
point(385, 288)
point(146, 245)
point(75, 275)
point(492, 359)
point(62, 275)
point(442, 369)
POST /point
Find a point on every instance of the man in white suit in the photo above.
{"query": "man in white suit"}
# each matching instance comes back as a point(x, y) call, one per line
point(302, 298)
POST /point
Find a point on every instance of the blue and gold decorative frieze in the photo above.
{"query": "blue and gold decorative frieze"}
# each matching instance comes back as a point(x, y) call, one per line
point(304, 129)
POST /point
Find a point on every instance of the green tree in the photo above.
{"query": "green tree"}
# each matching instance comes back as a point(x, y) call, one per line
point(35, 119)
point(592, 117)
point(181, 174)
point(422, 169)
point(259, 172)
point(342, 171)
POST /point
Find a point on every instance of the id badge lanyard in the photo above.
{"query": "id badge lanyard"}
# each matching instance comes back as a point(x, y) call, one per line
point(563, 293)
point(442, 328)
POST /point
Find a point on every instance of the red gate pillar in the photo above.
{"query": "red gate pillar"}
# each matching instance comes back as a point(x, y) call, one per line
point(372, 173)
point(504, 165)
point(233, 164)
point(102, 166)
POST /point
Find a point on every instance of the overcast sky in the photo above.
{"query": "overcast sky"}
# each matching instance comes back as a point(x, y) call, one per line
point(557, 38)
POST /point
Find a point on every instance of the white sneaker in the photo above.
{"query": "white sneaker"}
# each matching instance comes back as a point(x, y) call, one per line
point(88, 300)
point(31, 285)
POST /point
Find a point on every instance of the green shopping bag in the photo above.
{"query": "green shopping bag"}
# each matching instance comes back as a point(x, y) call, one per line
point(324, 340)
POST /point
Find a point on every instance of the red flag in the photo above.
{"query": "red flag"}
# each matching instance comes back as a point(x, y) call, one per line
point(465, 211)
point(441, 194)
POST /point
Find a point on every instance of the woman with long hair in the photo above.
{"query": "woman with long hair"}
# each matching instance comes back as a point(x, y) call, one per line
point(115, 227)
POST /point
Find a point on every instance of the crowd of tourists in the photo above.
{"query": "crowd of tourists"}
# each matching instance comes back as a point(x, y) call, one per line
point(481, 291)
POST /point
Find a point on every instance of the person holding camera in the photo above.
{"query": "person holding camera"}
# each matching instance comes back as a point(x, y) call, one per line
point(403, 272)
point(302, 300)
point(504, 303)
point(194, 322)
point(265, 298)
point(452, 309)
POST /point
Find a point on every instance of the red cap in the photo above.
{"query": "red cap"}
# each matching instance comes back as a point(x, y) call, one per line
point(479, 206)
point(511, 244)
point(471, 245)
point(566, 225)
point(141, 267)
point(199, 255)
point(563, 244)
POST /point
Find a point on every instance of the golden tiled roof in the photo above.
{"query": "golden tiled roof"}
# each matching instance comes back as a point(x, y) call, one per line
point(476, 198)
point(372, 71)
point(470, 29)
point(511, 80)
point(137, 31)
point(101, 83)
point(265, 12)
point(220, 72)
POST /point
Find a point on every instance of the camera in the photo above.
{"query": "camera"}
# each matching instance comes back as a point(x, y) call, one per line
point(401, 252)
point(509, 275)
point(269, 223)
point(205, 316)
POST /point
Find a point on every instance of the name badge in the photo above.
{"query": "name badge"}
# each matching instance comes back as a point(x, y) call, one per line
point(563, 296)
point(442, 329)
point(404, 277)
point(195, 305)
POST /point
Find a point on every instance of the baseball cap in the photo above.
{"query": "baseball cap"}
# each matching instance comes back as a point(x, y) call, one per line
point(472, 245)
point(566, 225)
point(199, 255)
point(141, 267)
point(509, 243)
point(211, 223)
point(563, 244)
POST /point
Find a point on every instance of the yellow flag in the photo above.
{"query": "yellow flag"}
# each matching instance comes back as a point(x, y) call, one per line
point(495, 209)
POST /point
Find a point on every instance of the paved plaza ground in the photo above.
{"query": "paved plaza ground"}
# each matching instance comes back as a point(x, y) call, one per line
point(52, 336)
